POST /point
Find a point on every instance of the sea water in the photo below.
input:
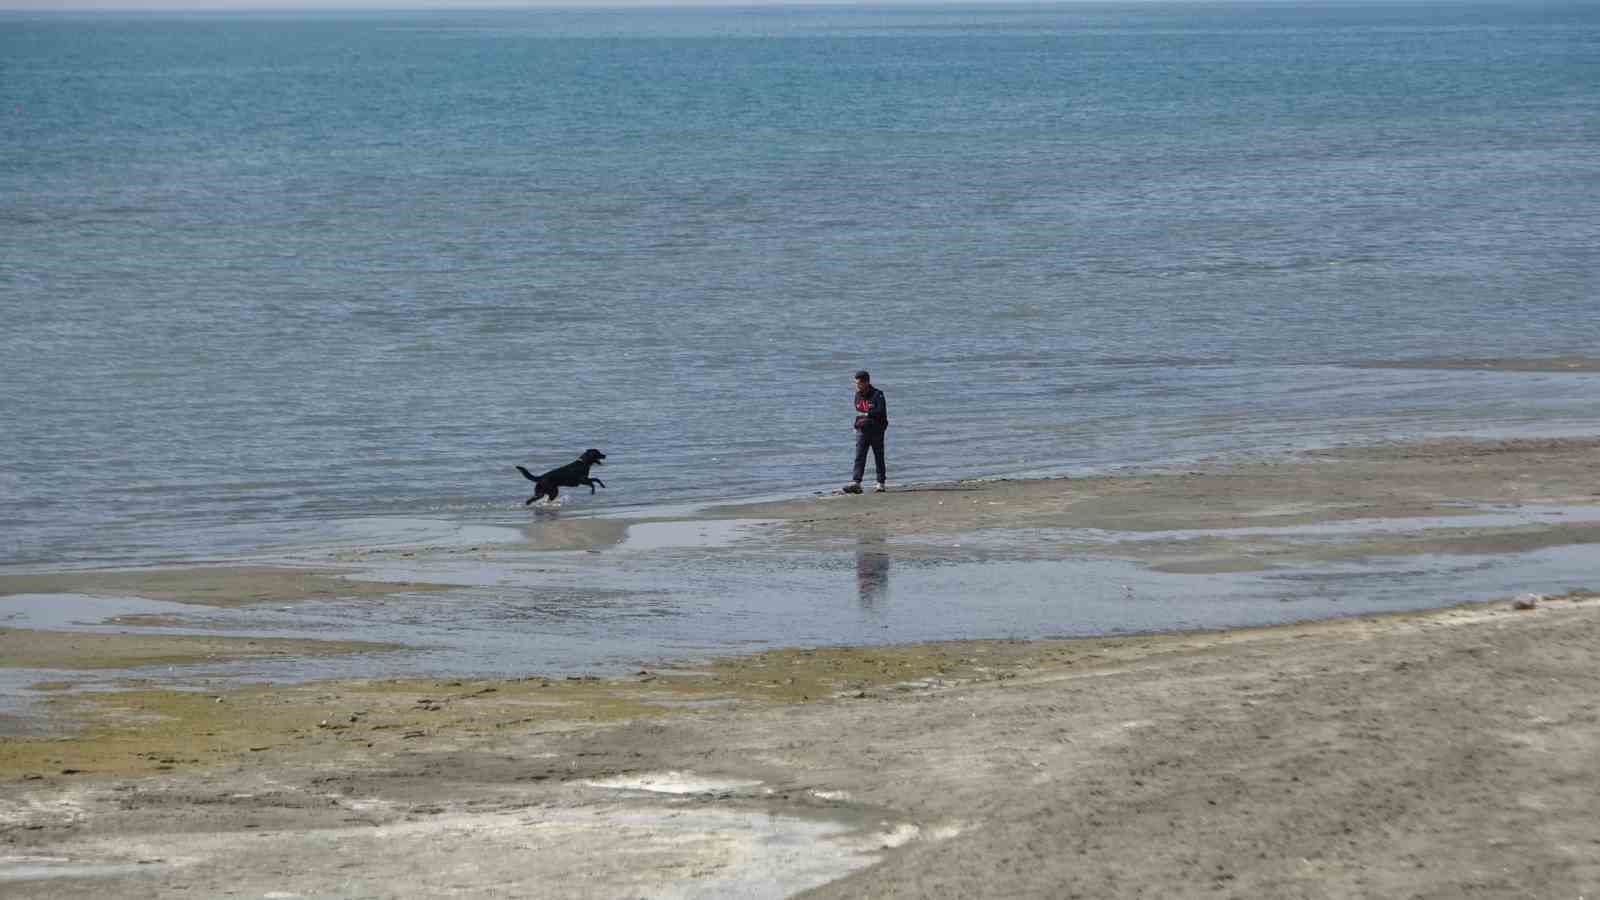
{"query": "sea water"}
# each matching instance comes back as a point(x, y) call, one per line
point(273, 271)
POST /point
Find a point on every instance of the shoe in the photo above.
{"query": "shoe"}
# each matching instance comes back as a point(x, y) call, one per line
point(853, 487)
point(881, 488)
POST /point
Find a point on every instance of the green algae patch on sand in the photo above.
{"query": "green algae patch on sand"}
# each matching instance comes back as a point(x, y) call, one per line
point(149, 730)
point(142, 732)
point(76, 650)
point(146, 731)
point(800, 676)
point(222, 586)
point(152, 729)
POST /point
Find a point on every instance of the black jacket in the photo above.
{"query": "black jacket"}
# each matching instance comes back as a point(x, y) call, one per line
point(872, 411)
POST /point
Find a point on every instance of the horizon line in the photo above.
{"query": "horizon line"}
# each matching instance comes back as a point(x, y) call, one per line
point(368, 6)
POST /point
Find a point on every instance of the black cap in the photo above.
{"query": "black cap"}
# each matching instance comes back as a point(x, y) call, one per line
point(863, 375)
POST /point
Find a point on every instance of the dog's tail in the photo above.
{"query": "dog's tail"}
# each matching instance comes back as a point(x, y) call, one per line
point(526, 474)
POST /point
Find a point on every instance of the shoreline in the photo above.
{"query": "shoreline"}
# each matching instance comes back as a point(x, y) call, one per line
point(1582, 366)
point(1331, 507)
point(101, 734)
point(1372, 753)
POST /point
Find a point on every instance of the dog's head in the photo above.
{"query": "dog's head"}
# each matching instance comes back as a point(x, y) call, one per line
point(592, 457)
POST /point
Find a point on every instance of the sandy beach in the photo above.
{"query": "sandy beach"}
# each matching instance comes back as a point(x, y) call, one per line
point(1443, 752)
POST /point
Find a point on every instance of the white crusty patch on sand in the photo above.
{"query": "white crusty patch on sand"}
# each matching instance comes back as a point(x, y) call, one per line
point(672, 783)
point(18, 869)
point(604, 851)
point(37, 810)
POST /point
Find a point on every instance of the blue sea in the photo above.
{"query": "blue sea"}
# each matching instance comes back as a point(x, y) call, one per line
point(260, 273)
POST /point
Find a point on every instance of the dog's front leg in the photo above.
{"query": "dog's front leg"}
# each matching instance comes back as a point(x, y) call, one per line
point(591, 482)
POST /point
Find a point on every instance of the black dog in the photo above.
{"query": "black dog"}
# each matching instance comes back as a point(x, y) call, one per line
point(570, 475)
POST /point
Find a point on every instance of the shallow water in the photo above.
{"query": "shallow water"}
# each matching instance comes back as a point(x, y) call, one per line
point(297, 313)
point(245, 299)
point(611, 612)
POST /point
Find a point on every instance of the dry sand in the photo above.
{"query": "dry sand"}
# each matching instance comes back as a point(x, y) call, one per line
point(1445, 754)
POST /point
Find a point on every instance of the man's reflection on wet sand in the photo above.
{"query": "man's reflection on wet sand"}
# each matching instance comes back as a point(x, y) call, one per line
point(872, 572)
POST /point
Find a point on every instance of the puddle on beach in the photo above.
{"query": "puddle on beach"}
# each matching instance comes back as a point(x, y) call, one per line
point(515, 614)
point(40, 868)
point(82, 612)
point(659, 596)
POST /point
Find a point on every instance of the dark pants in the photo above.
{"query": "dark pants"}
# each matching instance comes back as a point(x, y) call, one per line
point(869, 438)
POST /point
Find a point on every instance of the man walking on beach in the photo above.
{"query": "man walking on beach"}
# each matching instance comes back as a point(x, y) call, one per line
point(872, 420)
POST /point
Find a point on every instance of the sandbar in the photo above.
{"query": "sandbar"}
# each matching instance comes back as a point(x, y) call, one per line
point(220, 586)
point(76, 650)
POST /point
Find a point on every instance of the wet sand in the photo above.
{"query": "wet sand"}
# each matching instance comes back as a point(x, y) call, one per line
point(34, 649)
point(220, 586)
point(1433, 754)
point(1450, 478)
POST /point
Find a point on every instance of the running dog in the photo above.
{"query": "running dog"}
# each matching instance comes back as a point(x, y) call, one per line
point(570, 475)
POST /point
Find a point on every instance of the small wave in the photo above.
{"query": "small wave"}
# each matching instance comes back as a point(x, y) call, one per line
point(1502, 364)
